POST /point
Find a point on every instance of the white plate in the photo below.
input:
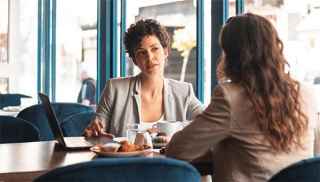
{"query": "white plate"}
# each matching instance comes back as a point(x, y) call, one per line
point(120, 139)
point(98, 151)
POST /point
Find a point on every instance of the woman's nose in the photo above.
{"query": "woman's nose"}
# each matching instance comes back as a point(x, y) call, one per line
point(150, 56)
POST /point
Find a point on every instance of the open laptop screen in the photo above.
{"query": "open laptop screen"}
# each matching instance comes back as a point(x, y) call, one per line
point(52, 119)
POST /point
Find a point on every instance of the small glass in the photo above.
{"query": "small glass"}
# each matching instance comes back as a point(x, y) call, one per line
point(137, 135)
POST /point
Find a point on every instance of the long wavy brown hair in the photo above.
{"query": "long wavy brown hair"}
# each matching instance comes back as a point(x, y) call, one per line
point(253, 57)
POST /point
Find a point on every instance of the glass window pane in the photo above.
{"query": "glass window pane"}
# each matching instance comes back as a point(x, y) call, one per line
point(76, 50)
point(232, 8)
point(298, 26)
point(18, 48)
point(207, 52)
point(4, 18)
point(179, 17)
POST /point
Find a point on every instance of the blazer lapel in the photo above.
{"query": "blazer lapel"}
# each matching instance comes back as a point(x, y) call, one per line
point(168, 102)
point(136, 96)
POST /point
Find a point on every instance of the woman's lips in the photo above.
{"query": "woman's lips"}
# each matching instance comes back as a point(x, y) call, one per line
point(152, 66)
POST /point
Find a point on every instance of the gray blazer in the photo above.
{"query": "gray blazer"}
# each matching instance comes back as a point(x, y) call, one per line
point(120, 103)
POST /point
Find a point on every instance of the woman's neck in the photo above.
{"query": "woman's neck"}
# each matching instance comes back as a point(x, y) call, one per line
point(152, 86)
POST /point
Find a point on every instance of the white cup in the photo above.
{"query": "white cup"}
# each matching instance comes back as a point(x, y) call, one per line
point(169, 127)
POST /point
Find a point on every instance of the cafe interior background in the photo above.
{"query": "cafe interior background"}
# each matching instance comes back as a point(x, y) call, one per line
point(45, 44)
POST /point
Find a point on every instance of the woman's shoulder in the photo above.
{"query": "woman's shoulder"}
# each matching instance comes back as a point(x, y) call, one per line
point(230, 90)
point(178, 89)
point(121, 79)
point(120, 82)
point(178, 86)
point(176, 83)
point(229, 85)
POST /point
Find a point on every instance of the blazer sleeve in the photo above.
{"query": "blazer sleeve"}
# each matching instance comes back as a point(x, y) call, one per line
point(104, 109)
point(207, 130)
point(194, 105)
point(317, 141)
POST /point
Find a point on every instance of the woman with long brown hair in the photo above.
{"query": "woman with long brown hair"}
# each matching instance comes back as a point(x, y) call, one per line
point(260, 119)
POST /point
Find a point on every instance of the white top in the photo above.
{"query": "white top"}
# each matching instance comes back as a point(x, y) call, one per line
point(121, 103)
point(148, 125)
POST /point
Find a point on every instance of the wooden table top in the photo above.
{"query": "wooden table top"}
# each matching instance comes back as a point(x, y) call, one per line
point(26, 161)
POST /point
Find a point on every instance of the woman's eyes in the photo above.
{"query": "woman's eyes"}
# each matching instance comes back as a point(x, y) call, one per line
point(141, 53)
point(155, 49)
point(145, 52)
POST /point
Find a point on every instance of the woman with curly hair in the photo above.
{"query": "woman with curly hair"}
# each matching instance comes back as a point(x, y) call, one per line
point(260, 120)
point(148, 97)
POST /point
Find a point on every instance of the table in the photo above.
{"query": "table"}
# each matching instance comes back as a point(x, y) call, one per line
point(26, 161)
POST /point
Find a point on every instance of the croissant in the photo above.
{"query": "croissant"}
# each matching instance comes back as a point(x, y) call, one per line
point(127, 147)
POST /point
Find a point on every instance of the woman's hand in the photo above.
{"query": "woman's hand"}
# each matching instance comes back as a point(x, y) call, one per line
point(96, 129)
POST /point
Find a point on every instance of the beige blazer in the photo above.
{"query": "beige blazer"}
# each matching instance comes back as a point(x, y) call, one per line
point(120, 103)
point(238, 148)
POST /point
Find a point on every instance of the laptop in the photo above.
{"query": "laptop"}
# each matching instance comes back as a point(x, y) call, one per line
point(67, 142)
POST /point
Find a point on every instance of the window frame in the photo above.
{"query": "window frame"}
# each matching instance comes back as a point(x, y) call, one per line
point(109, 57)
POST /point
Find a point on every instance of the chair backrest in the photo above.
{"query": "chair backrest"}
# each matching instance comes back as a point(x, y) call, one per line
point(306, 170)
point(11, 99)
point(75, 124)
point(36, 115)
point(15, 130)
point(139, 169)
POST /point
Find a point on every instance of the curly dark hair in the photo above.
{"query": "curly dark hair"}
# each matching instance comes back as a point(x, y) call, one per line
point(145, 27)
point(253, 57)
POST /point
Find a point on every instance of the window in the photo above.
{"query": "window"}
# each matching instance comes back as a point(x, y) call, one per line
point(69, 41)
point(18, 48)
point(181, 64)
point(4, 17)
point(207, 53)
point(4, 85)
point(76, 47)
point(298, 26)
point(232, 8)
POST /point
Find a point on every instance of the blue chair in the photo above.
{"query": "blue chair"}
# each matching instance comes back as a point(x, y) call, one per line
point(75, 124)
point(139, 169)
point(11, 99)
point(305, 171)
point(15, 130)
point(36, 115)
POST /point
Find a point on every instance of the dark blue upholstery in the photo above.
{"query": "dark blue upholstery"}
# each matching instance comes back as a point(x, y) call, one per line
point(139, 169)
point(305, 171)
point(15, 130)
point(75, 124)
point(36, 115)
point(11, 99)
